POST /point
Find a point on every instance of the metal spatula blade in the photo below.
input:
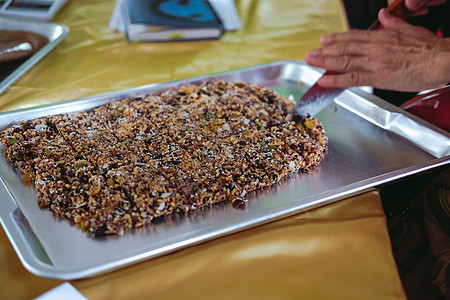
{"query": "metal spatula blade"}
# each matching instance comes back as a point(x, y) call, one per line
point(314, 100)
point(316, 97)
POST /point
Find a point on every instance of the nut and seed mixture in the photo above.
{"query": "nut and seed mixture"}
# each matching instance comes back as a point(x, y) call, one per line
point(120, 165)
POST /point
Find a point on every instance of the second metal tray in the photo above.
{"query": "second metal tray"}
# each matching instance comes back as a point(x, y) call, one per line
point(371, 142)
point(54, 32)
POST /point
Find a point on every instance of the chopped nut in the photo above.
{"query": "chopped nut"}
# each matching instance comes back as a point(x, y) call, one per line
point(12, 141)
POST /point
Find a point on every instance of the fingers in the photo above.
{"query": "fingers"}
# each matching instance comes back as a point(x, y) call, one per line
point(354, 36)
point(396, 57)
point(342, 63)
point(347, 79)
point(391, 22)
point(416, 5)
point(336, 63)
point(387, 20)
point(347, 57)
point(344, 48)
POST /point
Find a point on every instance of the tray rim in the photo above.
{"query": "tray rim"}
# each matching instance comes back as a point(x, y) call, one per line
point(37, 267)
point(35, 58)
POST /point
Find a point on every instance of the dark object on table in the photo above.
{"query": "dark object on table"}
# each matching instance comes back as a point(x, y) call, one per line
point(16, 47)
point(160, 20)
point(433, 107)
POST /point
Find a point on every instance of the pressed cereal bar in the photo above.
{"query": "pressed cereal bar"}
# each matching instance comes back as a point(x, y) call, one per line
point(120, 165)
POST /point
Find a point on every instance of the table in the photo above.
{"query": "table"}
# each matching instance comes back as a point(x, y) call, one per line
point(339, 251)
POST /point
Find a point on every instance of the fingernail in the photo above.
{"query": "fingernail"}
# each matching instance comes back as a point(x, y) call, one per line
point(310, 57)
point(385, 13)
point(322, 80)
point(324, 39)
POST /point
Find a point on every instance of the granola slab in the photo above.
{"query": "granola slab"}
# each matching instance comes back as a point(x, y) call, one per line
point(123, 164)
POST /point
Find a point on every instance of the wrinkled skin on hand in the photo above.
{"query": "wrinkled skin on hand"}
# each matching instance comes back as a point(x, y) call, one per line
point(400, 57)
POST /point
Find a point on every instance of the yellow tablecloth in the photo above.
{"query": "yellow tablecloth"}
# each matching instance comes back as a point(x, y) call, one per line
point(340, 251)
point(95, 59)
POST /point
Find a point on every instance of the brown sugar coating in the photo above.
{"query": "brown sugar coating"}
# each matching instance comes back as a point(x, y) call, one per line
point(120, 165)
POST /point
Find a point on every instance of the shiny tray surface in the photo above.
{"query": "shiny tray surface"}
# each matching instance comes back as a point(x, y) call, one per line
point(54, 32)
point(371, 142)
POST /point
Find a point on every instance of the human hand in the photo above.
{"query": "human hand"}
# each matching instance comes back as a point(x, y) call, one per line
point(399, 57)
point(419, 7)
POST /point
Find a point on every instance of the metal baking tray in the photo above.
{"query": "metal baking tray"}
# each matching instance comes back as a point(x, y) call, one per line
point(371, 142)
point(54, 32)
